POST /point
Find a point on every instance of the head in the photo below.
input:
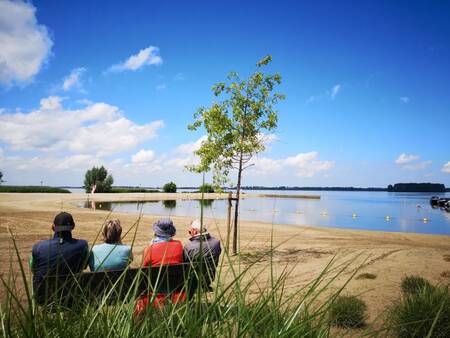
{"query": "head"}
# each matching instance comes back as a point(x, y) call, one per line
point(63, 222)
point(195, 228)
point(112, 232)
point(164, 228)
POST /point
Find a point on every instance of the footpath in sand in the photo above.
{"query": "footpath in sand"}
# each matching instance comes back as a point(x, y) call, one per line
point(305, 250)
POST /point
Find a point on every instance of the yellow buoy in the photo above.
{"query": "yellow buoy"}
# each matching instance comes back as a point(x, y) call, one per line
point(354, 215)
point(387, 218)
point(425, 220)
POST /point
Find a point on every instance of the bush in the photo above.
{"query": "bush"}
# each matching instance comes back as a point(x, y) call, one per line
point(425, 313)
point(33, 189)
point(366, 275)
point(414, 284)
point(98, 177)
point(206, 188)
point(170, 187)
point(348, 311)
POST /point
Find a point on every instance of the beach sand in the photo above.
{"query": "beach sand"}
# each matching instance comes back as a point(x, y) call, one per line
point(305, 250)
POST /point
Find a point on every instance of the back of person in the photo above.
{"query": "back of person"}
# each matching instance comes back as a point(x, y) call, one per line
point(163, 253)
point(61, 255)
point(108, 256)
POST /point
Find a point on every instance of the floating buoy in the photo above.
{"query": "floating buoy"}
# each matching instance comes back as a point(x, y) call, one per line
point(354, 215)
point(425, 220)
point(387, 218)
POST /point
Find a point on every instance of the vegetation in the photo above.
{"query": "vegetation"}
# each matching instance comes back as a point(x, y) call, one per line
point(1, 177)
point(445, 274)
point(32, 189)
point(348, 311)
point(425, 313)
point(417, 187)
point(366, 275)
point(98, 178)
point(206, 188)
point(414, 284)
point(169, 204)
point(170, 187)
point(235, 126)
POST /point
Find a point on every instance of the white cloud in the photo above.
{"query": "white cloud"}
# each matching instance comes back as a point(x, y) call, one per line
point(405, 158)
point(189, 148)
point(334, 91)
point(143, 156)
point(98, 128)
point(73, 80)
point(417, 166)
point(302, 164)
point(446, 168)
point(25, 45)
point(147, 56)
point(161, 86)
point(404, 99)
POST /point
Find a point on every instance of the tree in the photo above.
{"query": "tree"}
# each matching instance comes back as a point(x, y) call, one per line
point(206, 188)
point(170, 187)
point(1, 177)
point(235, 126)
point(98, 177)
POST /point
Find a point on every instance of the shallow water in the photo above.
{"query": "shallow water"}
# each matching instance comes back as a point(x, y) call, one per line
point(407, 212)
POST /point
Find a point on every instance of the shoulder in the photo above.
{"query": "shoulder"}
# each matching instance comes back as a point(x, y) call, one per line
point(80, 243)
point(176, 242)
point(40, 245)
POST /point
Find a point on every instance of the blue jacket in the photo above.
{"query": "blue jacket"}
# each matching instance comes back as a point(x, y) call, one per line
point(60, 255)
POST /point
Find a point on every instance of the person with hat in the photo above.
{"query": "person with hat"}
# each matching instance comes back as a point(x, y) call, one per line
point(62, 255)
point(202, 245)
point(163, 250)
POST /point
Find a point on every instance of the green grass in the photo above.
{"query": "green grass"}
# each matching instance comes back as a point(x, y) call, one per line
point(425, 313)
point(32, 189)
point(348, 311)
point(366, 275)
point(414, 284)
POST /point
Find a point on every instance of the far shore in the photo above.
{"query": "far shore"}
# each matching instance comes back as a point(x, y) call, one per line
point(304, 250)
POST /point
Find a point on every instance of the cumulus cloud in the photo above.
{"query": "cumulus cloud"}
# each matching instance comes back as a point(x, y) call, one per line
point(417, 166)
point(406, 158)
point(302, 164)
point(73, 80)
point(404, 99)
point(143, 156)
point(191, 147)
point(98, 128)
point(147, 56)
point(446, 168)
point(25, 45)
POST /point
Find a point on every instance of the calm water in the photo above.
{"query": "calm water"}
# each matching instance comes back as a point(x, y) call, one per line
point(408, 212)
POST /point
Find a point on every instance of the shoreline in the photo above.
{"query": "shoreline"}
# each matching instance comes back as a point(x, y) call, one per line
point(305, 250)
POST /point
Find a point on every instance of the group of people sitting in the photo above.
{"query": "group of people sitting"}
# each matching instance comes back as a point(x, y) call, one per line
point(64, 255)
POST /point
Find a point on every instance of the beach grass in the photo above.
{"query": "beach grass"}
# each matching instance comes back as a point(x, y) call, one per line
point(32, 189)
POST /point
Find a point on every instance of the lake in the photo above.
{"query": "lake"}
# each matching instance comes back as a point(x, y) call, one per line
point(384, 211)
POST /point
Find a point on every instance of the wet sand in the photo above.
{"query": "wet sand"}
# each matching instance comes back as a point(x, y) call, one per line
point(304, 250)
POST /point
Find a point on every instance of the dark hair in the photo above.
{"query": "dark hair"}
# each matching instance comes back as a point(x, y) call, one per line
point(112, 232)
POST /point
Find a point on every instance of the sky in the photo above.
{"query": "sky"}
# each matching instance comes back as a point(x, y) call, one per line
point(88, 83)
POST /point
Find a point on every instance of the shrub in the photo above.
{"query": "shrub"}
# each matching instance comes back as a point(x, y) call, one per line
point(366, 275)
point(414, 284)
point(99, 178)
point(170, 187)
point(422, 314)
point(348, 311)
point(206, 188)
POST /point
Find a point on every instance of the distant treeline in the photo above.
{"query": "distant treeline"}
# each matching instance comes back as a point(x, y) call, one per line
point(32, 189)
point(314, 188)
point(417, 187)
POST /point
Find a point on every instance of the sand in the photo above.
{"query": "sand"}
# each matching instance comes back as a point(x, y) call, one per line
point(305, 250)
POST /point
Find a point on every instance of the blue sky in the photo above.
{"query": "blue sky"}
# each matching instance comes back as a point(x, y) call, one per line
point(84, 83)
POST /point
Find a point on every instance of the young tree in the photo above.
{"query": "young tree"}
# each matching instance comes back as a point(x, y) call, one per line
point(170, 187)
point(1, 177)
point(98, 177)
point(235, 126)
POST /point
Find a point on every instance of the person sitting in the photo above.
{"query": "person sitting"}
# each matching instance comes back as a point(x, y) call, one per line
point(163, 250)
point(202, 245)
point(112, 254)
point(61, 255)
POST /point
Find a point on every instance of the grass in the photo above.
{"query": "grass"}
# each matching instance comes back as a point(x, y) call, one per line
point(414, 284)
point(348, 312)
point(366, 275)
point(425, 313)
point(32, 189)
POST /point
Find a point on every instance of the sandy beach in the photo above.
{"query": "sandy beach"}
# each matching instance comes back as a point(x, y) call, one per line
point(305, 250)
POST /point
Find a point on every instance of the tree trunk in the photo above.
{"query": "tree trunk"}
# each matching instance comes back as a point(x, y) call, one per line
point(236, 209)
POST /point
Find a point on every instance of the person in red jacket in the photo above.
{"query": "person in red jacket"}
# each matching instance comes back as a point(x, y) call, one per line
point(163, 250)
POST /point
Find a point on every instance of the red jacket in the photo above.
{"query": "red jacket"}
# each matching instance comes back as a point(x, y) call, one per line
point(164, 253)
